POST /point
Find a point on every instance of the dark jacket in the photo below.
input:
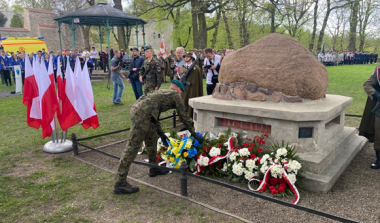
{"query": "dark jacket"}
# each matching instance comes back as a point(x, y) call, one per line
point(136, 62)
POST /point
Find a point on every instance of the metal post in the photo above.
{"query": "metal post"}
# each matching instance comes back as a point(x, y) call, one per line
point(143, 33)
point(59, 34)
point(174, 119)
point(183, 178)
point(127, 39)
point(100, 39)
point(75, 144)
point(137, 35)
point(109, 52)
point(73, 33)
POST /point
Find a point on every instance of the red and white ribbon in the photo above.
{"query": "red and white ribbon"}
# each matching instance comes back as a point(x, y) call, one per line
point(264, 182)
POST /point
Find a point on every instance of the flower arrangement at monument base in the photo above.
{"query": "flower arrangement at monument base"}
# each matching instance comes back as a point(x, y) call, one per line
point(265, 167)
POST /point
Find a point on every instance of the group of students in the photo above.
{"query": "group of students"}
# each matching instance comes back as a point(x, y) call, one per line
point(333, 58)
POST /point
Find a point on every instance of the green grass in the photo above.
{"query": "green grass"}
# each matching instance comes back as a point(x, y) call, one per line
point(35, 187)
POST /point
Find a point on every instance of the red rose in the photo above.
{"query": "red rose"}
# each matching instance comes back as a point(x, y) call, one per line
point(282, 185)
point(245, 144)
point(253, 156)
point(220, 145)
point(219, 166)
point(197, 157)
point(281, 190)
point(272, 188)
point(210, 147)
point(282, 181)
point(274, 181)
point(258, 160)
point(249, 148)
point(274, 192)
point(260, 150)
point(266, 135)
point(204, 154)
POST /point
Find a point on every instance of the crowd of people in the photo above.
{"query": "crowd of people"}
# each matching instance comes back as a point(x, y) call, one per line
point(333, 58)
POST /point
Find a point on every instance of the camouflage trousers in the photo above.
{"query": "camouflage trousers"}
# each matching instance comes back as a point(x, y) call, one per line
point(149, 87)
point(141, 130)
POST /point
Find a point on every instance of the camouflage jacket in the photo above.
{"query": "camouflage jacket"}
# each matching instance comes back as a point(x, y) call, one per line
point(162, 100)
point(152, 72)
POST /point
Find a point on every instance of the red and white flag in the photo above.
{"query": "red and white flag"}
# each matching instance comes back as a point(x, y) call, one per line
point(30, 96)
point(68, 117)
point(84, 78)
point(163, 48)
point(48, 99)
point(76, 106)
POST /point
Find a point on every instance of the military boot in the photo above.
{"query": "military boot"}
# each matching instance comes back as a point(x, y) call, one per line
point(376, 164)
point(124, 188)
point(154, 171)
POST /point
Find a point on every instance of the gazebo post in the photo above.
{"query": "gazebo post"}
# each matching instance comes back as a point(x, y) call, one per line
point(109, 47)
point(73, 33)
point(143, 33)
point(59, 34)
point(100, 38)
point(137, 35)
point(127, 39)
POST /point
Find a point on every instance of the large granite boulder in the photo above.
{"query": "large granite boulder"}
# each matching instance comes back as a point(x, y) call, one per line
point(277, 62)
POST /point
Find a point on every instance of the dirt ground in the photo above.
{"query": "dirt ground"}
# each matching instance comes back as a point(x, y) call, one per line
point(354, 196)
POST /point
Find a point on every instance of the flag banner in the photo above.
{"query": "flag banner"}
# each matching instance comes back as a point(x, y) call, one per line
point(163, 48)
point(85, 79)
point(30, 95)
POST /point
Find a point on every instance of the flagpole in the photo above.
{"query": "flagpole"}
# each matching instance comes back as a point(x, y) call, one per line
point(55, 146)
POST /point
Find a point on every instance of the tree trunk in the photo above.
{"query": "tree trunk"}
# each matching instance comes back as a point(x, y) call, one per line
point(363, 28)
point(311, 44)
point(353, 25)
point(325, 20)
point(86, 36)
point(202, 32)
point(229, 40)
point(272, 20)
point(194, 19)
point(213, 41)
point(120, 29)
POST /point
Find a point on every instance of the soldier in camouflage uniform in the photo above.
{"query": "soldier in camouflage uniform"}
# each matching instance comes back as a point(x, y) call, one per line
point(145, 114)
point(151, 72)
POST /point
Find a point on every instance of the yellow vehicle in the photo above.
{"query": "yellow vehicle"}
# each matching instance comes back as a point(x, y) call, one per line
point(14, 44)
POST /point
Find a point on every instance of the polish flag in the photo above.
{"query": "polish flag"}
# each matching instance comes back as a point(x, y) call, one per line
point(163, 48)
point(48, 100)
point(81, 108)
point(68, 117)
point(60, 88)
point(30, 96)
point(84, 78)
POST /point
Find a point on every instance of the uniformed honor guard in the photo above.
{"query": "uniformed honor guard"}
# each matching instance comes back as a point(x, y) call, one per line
point(192, 78)
point(151, 72)
point(370, 123)
point(144, 115)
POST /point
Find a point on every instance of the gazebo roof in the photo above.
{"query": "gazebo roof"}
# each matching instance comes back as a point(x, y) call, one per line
point(98, 14)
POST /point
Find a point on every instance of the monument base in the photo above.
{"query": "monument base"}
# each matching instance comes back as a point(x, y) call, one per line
point(315, 127)
point(51, 147)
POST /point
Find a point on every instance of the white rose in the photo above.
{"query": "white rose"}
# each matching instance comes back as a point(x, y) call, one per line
point(205, 161)
point(292, 178)
point(248, 174)
point(214, 152)
point(244, 152)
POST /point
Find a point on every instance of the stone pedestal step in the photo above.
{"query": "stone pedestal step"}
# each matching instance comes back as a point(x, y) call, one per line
point(317, 162)
point(324, 181)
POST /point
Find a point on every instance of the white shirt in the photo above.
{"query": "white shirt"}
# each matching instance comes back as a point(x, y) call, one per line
point(94, 54)
point(214, 61)
point(85, 52)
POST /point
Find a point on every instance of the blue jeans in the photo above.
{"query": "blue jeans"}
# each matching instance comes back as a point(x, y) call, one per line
point(117, 82)
point(137, 87)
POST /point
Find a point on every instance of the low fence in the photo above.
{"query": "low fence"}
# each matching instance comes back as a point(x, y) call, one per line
point(184, 174)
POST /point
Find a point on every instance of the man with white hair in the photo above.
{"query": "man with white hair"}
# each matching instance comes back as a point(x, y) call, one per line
point(180, 52)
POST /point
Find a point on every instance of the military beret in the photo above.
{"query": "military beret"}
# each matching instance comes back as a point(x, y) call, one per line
point(179, 84)
point(148, 47)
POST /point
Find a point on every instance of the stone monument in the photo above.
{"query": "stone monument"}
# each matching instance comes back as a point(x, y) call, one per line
point(276, 86)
